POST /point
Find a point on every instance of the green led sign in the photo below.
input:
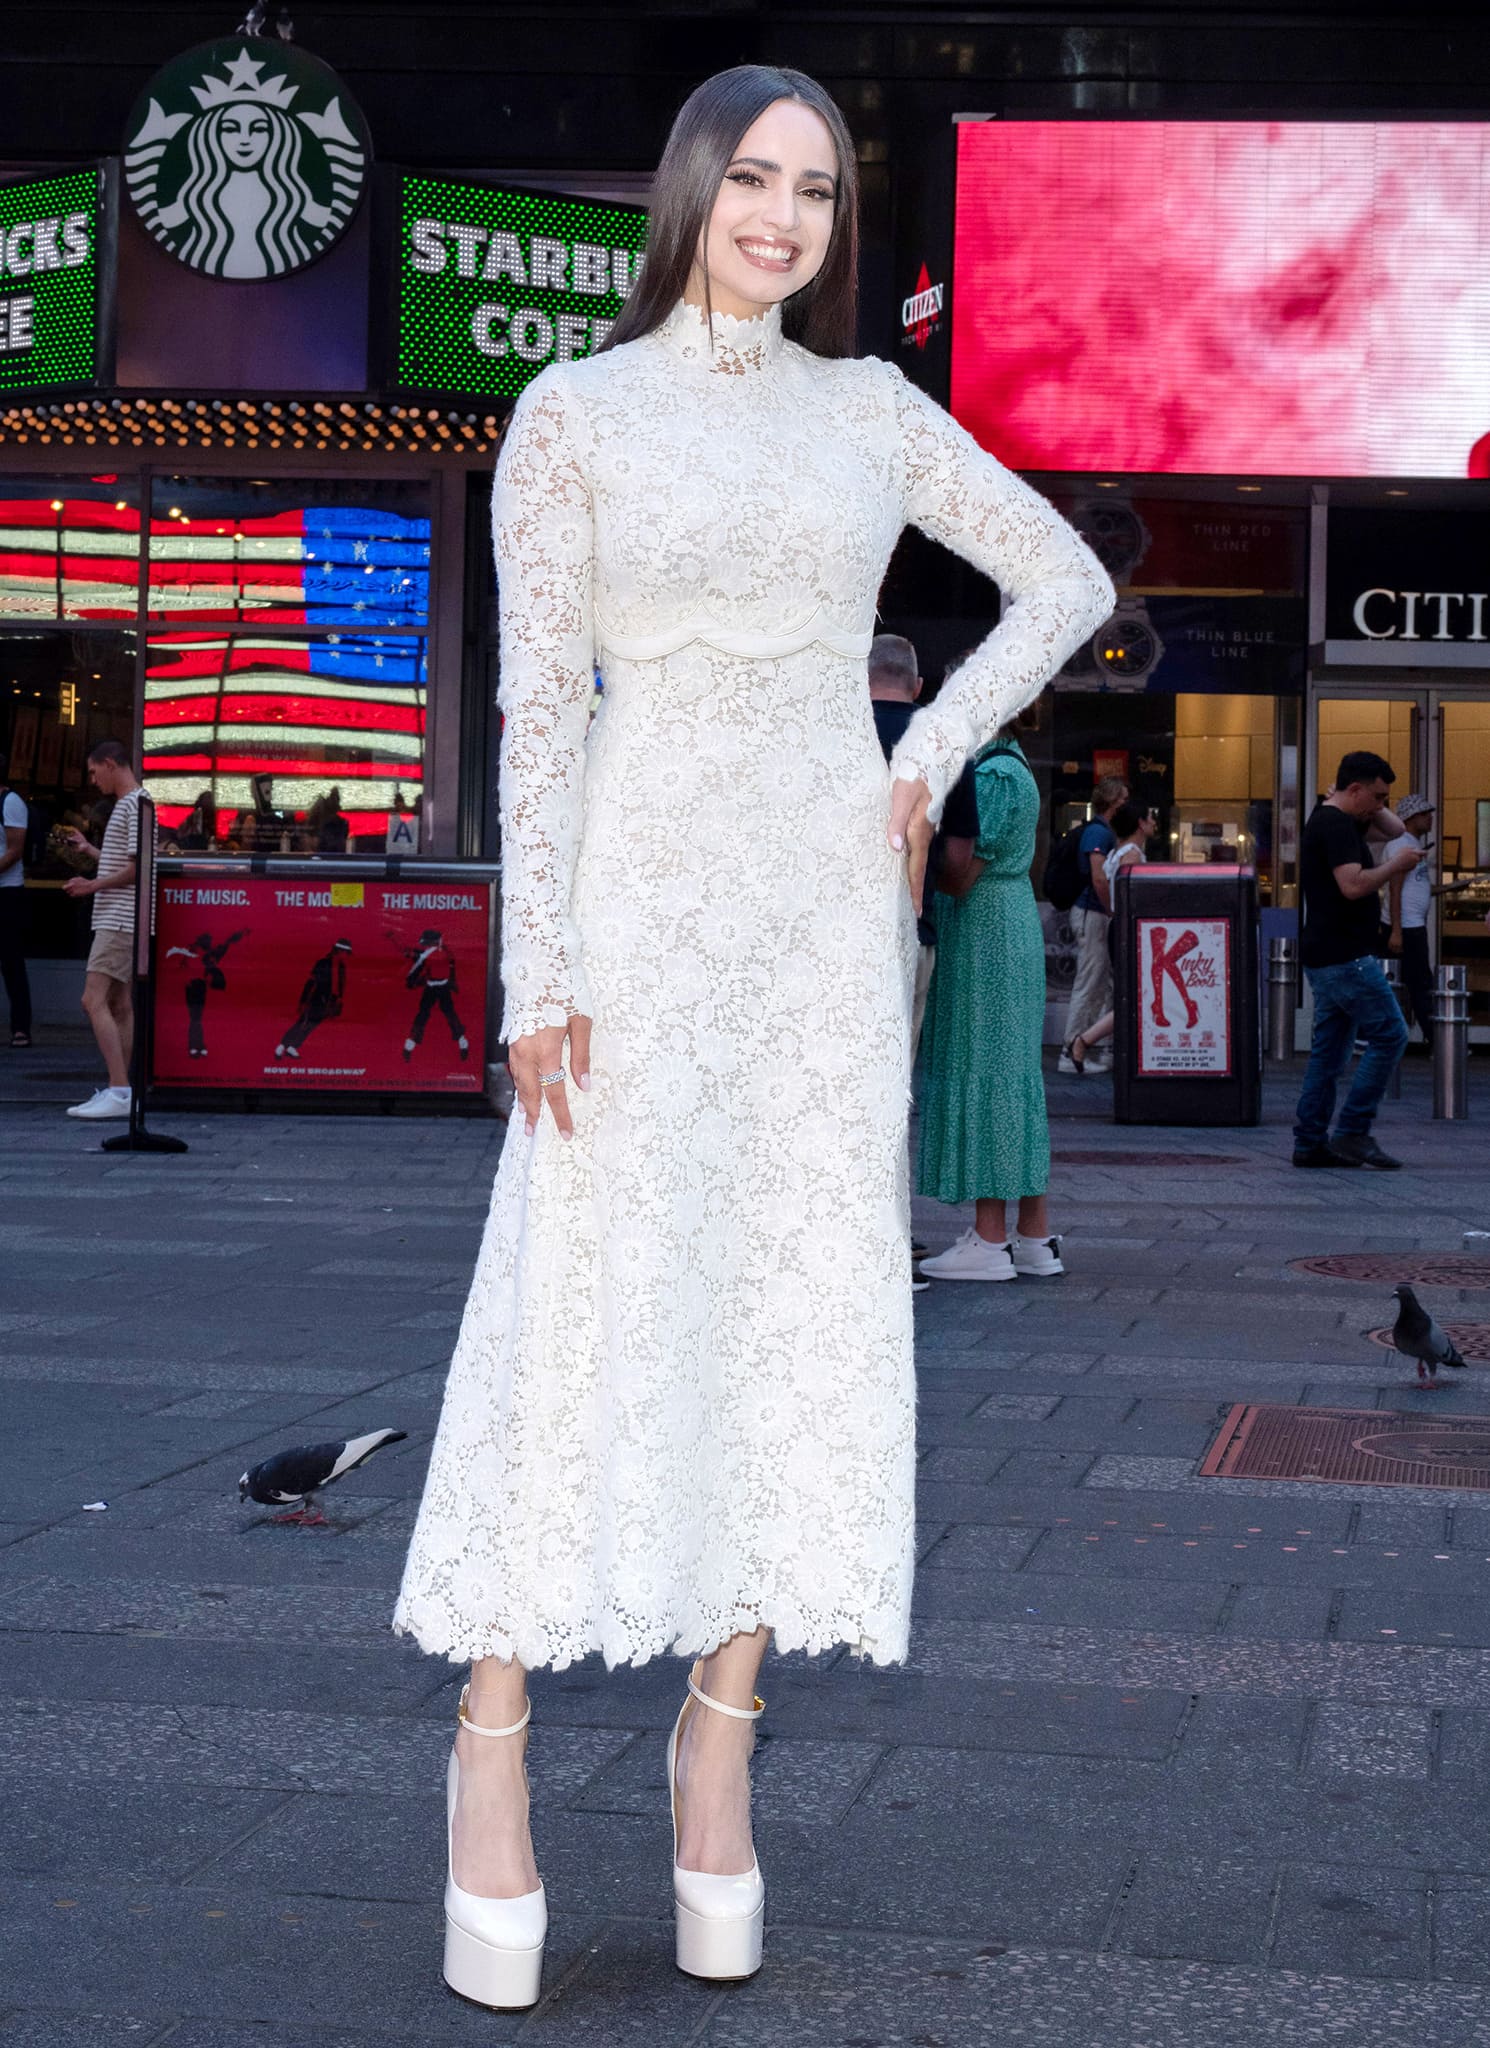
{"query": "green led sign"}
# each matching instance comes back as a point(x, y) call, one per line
point(52, 272)
point(492, 284)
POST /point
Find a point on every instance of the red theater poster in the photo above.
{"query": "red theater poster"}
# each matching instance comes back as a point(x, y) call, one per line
point(300, 983)
point(1234, 297)
point(1184, 995)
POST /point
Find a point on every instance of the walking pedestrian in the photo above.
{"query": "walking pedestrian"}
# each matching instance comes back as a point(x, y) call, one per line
point(1132, 830)
point(1410, 905)
point(894, 685)
point(1091, 991)
point(108, 984)
point(13, 818)
point(1351, 992)
point(680, 1414)
point(984, 1137)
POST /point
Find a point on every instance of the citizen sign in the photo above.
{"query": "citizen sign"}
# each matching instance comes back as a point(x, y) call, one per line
point(1382, 614)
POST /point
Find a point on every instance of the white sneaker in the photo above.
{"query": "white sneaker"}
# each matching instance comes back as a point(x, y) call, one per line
point(105, 1102)
point(1039, 1255)
point(971, 1258)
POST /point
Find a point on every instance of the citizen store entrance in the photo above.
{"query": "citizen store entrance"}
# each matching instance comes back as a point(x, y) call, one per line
point(1401, 666)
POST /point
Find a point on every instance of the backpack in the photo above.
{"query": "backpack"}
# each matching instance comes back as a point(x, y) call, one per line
point(1065, 871)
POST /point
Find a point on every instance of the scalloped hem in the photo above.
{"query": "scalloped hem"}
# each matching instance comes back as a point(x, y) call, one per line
point(618, 1646)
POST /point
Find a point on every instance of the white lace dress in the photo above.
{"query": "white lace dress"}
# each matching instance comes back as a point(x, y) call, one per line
point(682, 1400)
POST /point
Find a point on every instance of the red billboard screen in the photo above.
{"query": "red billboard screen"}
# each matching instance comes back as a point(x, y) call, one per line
point(302, 983)
point(1289, 298)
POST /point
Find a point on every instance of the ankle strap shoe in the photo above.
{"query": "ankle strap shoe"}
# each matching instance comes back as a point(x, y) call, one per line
point(493, 1947)
point(720, 1919)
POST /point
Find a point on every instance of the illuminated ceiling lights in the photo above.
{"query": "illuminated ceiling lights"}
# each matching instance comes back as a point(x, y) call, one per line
point(290, 424)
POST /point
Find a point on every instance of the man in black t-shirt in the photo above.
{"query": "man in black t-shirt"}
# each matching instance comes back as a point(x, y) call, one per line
point(1351, 994)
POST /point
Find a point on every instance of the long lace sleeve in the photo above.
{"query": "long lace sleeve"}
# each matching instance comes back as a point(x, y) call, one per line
point(1054, 589)
point(543, 533)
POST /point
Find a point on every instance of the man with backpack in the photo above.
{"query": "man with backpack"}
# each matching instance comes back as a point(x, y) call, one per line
point(1075, 882)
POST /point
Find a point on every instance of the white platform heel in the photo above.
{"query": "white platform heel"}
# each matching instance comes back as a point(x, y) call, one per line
point(493, 1947)
point(720, 1919)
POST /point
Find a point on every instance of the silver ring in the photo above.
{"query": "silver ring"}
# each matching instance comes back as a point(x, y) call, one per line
point(549, 1080)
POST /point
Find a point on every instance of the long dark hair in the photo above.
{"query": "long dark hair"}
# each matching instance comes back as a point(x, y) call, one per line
point(823, 316)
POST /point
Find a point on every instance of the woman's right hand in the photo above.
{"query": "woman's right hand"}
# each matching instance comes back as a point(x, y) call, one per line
point(542, 1052)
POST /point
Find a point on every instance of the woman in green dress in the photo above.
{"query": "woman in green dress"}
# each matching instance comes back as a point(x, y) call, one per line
point(984, 1137)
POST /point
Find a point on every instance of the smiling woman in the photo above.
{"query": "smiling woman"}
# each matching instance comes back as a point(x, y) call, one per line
point(680, 1415)
point(757, 205)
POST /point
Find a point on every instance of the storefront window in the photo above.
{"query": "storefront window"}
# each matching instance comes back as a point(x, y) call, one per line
point(60, 694)
point(285, 743)
point(306, 552)
point(69, 549)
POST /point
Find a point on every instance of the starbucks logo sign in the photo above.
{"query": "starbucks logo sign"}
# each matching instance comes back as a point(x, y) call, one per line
point(246, 158)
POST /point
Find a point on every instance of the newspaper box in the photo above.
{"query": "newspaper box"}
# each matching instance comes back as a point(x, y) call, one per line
point(1187, 1044)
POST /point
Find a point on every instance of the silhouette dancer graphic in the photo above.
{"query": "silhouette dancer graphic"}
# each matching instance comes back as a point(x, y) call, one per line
point(1164, 962)
point(321, 997)
point(205, 971)
point(433, 974)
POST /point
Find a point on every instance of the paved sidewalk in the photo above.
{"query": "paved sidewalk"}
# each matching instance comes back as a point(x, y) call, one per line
point(1175, 1762)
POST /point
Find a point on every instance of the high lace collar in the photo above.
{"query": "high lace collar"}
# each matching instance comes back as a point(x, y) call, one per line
point(740, 347)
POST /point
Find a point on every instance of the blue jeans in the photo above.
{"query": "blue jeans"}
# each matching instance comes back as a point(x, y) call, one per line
point(1349, 1001)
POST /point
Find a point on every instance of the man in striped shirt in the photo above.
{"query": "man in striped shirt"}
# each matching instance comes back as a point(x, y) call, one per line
point(108, 986)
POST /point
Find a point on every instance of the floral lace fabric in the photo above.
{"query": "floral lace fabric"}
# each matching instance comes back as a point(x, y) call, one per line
point(682, 1402)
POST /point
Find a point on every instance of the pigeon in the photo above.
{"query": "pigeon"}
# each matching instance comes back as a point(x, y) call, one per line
point(1417, 1336)
point(300, 1474)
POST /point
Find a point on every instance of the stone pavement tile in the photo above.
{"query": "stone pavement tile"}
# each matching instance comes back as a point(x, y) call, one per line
point(228, 1957)
point(1240, 1735)
point(1371, 1741)
point(627, 1989)
point(951, 1466)
point(926, 1873)
point(95, 2030)
point(1383, 1519)
point(205, 1673)
point(1049, 1597)
point(56, 1832)
point(1464, 1745)
point(1042, 1468)
point(347, 1591)
point(1043, 1719)
point(1281, 1670)
point(1297, 1613)
point(1412, 1614)
point(394, 1840)
point(1302, 1496)
point(854, 1990)
point(1255, 1560)
point(981, 1549)
point(1461, 1929)
point(252, 1747)
point(1215, 1910)
point(793, 1778)
point(1352, 1921)
point(159, 1369)
point(1130, 1807)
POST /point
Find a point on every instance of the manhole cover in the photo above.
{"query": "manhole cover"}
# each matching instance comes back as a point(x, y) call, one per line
point(1424, 1269)
point(1149, 1159)
point(1473, 1339)
point(1359, 1447)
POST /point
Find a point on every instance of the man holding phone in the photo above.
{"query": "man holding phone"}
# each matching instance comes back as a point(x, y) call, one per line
point(1351, 993)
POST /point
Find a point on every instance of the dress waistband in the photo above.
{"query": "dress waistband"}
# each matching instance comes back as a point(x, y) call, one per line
point(741, 640)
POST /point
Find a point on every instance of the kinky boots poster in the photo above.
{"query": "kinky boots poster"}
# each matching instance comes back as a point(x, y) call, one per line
point(298, 983)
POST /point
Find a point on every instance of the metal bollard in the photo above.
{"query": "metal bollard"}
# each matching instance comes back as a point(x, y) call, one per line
point(1283, 996)
point(1451, 1045)
point(1393, 971)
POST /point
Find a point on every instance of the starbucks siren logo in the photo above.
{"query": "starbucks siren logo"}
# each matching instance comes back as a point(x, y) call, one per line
point(242, 161)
